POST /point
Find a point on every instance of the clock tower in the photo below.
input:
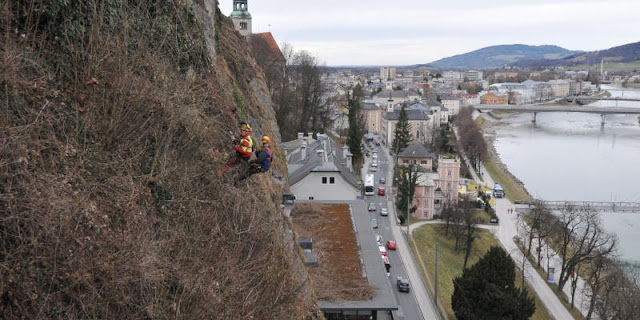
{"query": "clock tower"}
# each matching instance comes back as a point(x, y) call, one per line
point(241, 17)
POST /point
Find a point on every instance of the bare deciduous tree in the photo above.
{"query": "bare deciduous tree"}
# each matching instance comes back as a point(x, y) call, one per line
point(581, 237)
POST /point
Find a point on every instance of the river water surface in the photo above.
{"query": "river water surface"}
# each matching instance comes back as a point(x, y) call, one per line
point(570, 156)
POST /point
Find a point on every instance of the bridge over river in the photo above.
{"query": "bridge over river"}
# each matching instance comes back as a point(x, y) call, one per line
point(595, 205)
point(535, 108)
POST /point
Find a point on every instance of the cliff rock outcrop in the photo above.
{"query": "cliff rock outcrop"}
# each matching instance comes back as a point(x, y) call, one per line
point(111, 204)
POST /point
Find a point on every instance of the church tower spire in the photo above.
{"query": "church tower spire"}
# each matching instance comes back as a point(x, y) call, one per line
point(241, 17)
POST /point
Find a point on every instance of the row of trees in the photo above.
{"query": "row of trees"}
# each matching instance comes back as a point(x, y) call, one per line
point(585, 249)
point(470, 137)
point(294, 81)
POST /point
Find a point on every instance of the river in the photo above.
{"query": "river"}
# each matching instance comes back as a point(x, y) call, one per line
point(570, 156)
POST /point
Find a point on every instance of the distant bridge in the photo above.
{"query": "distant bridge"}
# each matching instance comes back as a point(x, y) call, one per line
point(572, 99)
point(535, 108)
point(595, 205)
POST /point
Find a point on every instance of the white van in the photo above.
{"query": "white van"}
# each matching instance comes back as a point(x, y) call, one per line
point(383, 250)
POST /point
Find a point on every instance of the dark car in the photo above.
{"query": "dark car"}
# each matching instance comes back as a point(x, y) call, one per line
point(403, 284)
point(383, 180)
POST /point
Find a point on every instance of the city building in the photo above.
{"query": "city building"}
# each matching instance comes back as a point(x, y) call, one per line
point(433, 189)
point(387, 73)
point(417, 154)
point(468, 99)
point(453, 76)
point(451, 103)
point(449, 172)
point(473, 75)
point(541, 91)
point(318, 170)
point(494, 98)
point(372, 114)
point(560, 88)
point(419, 120)
point(387, 96)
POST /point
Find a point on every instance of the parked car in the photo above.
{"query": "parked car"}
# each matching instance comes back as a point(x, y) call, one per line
point(384, 212)
point(374, 223)
point(391, 245)
point(403, 284)
point(372, 207)
point(381, 191)
point(383, 180)
point(373, 169)
point(494, 219)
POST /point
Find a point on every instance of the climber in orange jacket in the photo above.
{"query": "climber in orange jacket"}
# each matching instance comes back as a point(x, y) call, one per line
point(263, 161)
point(244, 147)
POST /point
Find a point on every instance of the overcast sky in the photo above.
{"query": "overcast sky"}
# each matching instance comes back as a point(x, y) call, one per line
point(383, 32)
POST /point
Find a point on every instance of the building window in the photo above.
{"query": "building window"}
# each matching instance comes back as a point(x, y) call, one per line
point(449, 185)
point(332, 180)
point(418, 134)
point(405, 161)
point(423, 161)
point(449, 173)
point(310, 198)
point(324, 180)
point(243, 26)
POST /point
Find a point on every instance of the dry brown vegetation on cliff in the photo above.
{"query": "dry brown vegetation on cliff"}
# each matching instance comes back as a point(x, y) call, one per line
point(110, 204)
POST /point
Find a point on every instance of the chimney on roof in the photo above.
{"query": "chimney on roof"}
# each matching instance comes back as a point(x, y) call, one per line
point(300, 135)
point(310, 135)
point(345, 149)
point(303, 151)
point(321, 155)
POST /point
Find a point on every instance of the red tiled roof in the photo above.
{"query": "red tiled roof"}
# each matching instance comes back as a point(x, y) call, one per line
point(267, 37)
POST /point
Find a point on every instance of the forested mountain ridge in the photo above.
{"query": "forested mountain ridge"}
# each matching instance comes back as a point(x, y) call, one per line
point(624, 53)
point(498, 56)
point(111, 201)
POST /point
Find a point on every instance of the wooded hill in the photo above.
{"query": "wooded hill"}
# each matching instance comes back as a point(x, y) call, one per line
point(111, 201)
point(498, 56)
point(625, 53)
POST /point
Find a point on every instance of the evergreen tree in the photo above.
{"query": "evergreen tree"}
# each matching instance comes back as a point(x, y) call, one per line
point(487, 290)
point(406, 190)
point(356, 124)
point(402, 133)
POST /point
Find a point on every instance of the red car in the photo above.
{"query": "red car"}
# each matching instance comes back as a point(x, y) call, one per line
point(381, 191)
point(391, 245)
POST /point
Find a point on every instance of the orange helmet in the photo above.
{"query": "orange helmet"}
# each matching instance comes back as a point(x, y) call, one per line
point(266, 139)
point(245, 127)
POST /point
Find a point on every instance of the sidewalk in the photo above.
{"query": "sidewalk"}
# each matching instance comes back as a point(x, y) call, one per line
point(423, 298)
point(506, 232)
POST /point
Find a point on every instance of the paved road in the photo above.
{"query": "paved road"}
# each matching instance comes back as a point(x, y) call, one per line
point(418, 304)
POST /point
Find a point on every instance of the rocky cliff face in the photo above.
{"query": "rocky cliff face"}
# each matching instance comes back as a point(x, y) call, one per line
point(111, 201)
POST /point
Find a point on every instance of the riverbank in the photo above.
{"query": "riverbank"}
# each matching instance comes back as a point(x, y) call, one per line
point(514, 188)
